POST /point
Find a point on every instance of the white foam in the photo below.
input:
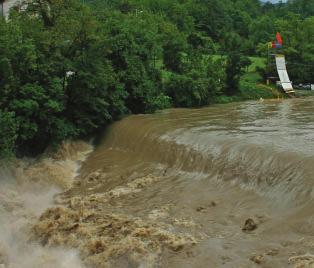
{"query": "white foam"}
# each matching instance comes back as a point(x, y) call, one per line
point(22, 201)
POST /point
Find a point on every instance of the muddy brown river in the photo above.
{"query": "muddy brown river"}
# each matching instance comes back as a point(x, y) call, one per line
point(223, 186)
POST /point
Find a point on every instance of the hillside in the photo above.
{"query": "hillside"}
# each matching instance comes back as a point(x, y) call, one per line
point(69, 68)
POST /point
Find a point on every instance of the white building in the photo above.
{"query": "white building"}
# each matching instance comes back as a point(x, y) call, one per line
point(5, 6)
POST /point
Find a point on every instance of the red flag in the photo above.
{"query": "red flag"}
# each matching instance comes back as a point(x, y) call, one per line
point(279, 39)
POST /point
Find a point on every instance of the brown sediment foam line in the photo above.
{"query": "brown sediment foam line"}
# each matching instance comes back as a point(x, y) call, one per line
point(103, 235)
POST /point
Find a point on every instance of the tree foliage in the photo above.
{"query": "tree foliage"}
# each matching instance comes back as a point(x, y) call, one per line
point(68, 68)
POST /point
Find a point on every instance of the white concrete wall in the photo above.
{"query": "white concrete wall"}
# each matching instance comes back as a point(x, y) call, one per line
point(7, 5)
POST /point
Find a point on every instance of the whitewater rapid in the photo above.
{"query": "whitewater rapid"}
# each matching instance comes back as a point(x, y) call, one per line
point(27, 188)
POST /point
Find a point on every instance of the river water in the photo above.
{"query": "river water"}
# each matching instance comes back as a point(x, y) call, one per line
point(175, 189)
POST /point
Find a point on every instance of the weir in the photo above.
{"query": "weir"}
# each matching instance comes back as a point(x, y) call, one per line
point(201, 174)
point(222, 186)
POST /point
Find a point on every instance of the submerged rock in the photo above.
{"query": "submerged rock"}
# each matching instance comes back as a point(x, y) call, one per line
point(199, 209)
point(202, 208)
point(257, 259)
point(249, 225)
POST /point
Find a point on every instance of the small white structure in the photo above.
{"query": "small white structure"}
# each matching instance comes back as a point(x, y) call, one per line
point(283, 74)
point(68, 74)
point(5, 6)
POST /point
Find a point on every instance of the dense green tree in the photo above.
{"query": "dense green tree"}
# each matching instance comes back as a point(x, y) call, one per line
point(70, 67)
point(235, 64)
point(8, 129)
point(303, 7)
point(198, 85)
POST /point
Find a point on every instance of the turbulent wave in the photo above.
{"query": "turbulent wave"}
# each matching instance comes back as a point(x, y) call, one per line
point(199, 142)
point(27, 188)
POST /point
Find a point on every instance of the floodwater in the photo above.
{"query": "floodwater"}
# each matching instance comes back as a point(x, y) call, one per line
point(223, 186)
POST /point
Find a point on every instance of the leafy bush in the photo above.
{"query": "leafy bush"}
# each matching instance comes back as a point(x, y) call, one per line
point(8, 130)
point(186, 91)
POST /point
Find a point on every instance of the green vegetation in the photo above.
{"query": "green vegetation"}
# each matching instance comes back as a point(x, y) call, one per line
point(68, 68)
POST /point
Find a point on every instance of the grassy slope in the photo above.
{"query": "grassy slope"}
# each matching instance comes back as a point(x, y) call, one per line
point(256, 62)
point(251, 85)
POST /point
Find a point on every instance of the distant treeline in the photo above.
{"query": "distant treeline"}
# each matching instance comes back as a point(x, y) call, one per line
point(68, 68)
